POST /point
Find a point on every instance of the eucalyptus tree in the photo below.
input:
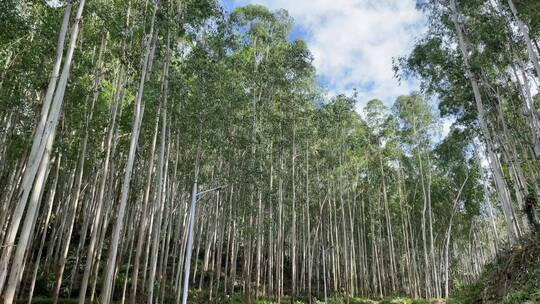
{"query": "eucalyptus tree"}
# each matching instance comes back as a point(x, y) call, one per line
point(38, 161)
point(460, 173)
point(162, 94)
point(381, 142)
point(417, 120)
point(477, 51)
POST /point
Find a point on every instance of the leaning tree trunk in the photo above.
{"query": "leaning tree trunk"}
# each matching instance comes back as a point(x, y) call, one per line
point(493, 159)
point(525, 32)
point(82, 159)
point(52, 194)
point(35, 157)
point(159, 181)
point(113, 250)
point(98, 214)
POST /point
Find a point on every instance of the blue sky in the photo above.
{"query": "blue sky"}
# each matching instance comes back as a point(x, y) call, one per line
point(354, 41)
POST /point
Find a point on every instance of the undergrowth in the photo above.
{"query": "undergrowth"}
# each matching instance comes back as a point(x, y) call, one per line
point(513, 278)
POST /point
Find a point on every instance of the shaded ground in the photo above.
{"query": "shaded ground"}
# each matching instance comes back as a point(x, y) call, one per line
point(240, 300)
point(513, 278)
point(395, 300)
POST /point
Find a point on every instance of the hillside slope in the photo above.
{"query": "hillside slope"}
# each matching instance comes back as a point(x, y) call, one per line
point(514, 277)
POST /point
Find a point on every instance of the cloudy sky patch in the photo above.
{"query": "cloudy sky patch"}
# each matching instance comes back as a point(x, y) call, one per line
point(354, 41)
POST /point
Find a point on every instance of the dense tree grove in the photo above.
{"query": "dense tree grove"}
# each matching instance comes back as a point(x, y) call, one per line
point(481, 59)
point(116, 114)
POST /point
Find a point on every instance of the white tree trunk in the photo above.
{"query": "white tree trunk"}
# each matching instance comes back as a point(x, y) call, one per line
point(28, 225)
point(160, 189)
point(118, 226)
point(101, 195)
point(525, 32)
point(33, 159)
point(502, 188)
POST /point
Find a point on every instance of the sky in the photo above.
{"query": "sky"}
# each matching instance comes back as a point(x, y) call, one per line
point(353, 42)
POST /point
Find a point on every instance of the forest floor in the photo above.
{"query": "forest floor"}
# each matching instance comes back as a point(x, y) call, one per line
point(239, 299)
point(287, 301)
point(512, 278)
point(396, 300)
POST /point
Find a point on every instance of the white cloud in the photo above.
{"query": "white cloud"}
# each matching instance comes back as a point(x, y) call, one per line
point(354, 41)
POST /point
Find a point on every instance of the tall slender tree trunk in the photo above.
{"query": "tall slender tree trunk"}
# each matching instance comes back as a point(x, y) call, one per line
point(533, 56)
point(82, 159)
point(98, 214)
point(46, 128)
point(52, 195)
point(160, 189)
point(493, 159)
point(138, 114)
point(447, 241)
point(28, 225)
